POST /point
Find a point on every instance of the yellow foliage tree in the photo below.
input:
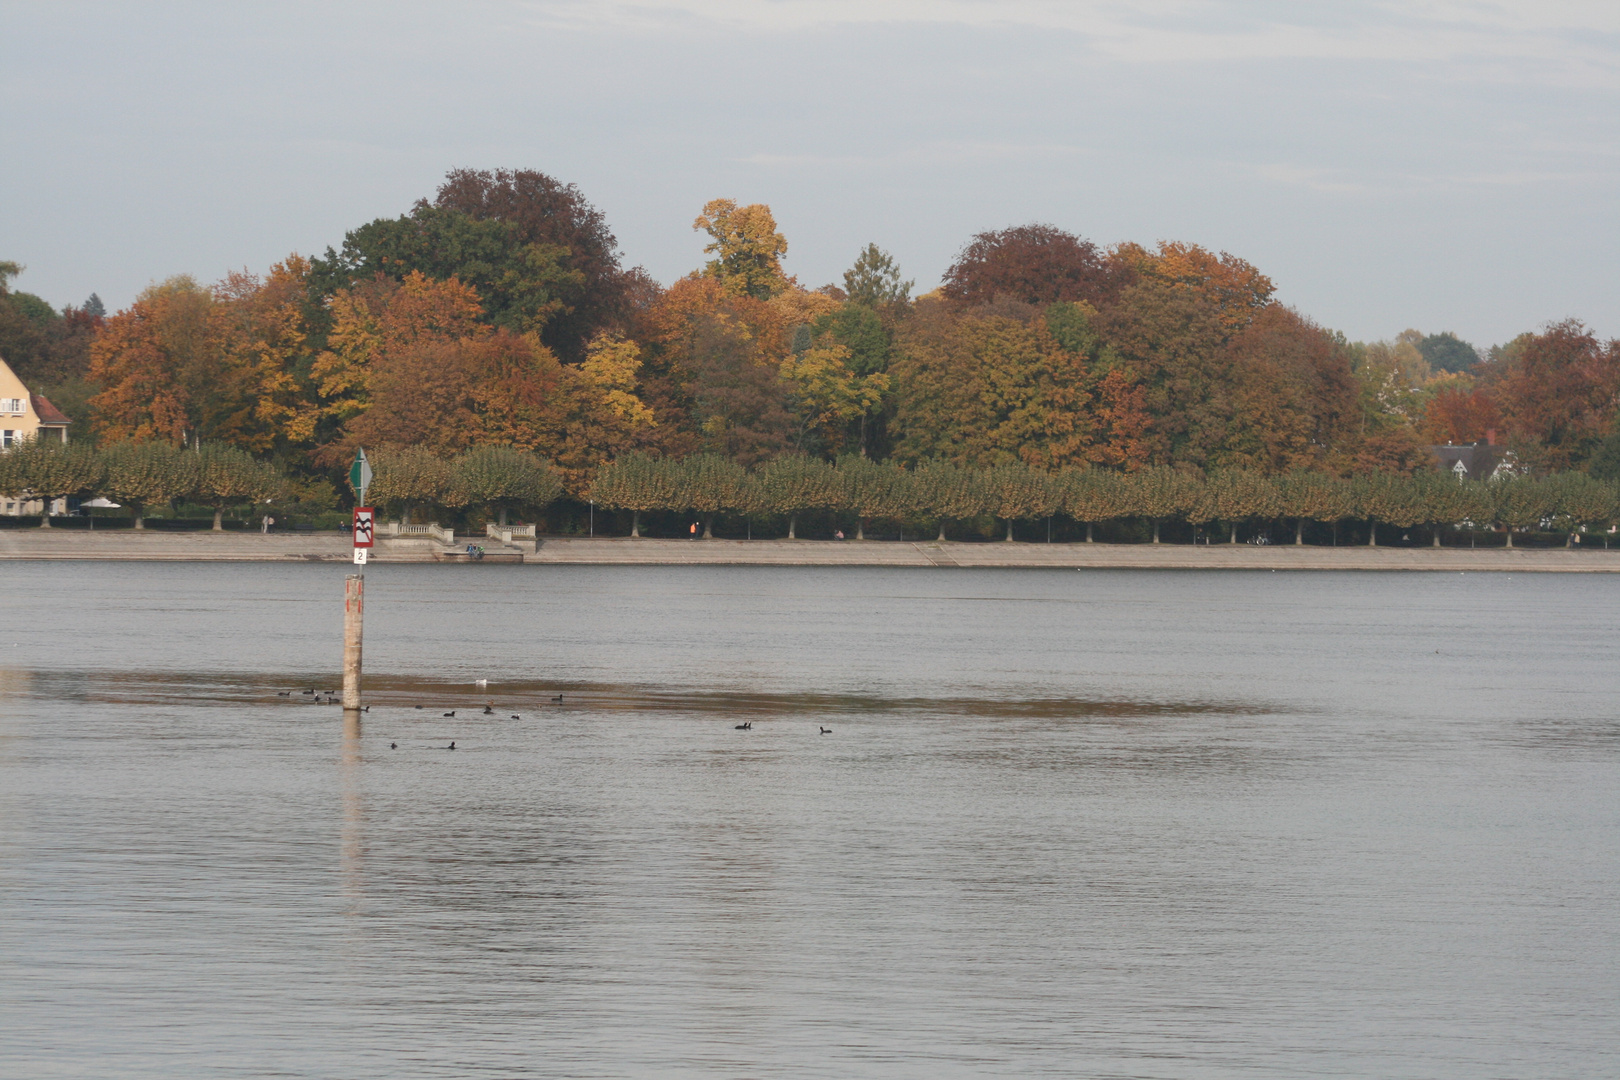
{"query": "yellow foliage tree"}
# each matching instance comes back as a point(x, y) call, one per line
point(746, 247)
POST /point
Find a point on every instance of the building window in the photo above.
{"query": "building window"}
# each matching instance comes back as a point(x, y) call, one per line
point(12, 405)
point(7, 439)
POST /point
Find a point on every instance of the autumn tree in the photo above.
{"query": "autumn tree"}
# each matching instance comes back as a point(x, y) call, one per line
point(1457, 412)
point(410, 477)
point(158, 365)
point(710, 484)
point(1035, 264)
point(1559, 394)
point(746, 247)
point(1236, 495)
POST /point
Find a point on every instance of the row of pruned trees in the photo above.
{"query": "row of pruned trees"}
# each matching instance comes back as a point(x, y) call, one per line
point(708, 484)
point(137, 475)
point(498, 477)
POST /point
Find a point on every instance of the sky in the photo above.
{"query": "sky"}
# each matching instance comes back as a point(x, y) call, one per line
point(1432, 164)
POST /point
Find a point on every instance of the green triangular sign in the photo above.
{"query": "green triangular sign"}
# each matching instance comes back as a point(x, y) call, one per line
point(360, 476)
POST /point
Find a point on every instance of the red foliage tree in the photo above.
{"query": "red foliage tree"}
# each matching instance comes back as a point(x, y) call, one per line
point(1036, 264)
point(1559, 393)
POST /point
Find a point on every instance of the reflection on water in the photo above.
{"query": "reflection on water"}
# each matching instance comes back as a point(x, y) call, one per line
point(1114, 824)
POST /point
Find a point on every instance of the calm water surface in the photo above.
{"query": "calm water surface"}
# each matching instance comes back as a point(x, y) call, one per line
point(1108, 824)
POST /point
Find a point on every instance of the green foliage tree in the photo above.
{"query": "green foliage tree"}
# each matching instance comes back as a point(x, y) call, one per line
point(413, 477)
point(1585, 501)
point(1521, 502)
point(1446, 500)
point(950, 492)
point(1092, 495)
point(794, 484)
point(638, 483)
point(873, 489)
point(1159, 494)
point(1448, 352)
point(228, 476)
point(1390, 498)
point(1236, 495)
point(711, 484)
point(874, 281)
point(45, 469)
point(141, 474)
point(505, 478)
point(1018, 492)
point(1313, 496)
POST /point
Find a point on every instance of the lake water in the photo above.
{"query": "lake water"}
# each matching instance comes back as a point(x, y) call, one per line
point(1109, 824)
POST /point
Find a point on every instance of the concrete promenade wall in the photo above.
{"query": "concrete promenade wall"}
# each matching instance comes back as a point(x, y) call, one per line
point(124, 545)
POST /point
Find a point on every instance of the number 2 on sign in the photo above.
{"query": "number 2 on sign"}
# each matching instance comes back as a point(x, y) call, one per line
point(360, 556)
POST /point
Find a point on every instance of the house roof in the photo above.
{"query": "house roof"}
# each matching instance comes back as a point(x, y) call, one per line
point(49, 415)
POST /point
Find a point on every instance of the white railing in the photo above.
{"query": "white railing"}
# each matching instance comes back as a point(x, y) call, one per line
point(504, 533)
point(396, 530)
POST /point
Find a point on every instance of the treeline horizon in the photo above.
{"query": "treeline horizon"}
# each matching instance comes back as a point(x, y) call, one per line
point(499, 313)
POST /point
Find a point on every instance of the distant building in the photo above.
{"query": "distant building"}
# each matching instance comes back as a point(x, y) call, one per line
point(26, 416)
point(1477, 460)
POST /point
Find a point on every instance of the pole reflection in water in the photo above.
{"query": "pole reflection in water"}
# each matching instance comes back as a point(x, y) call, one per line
point(352, 838)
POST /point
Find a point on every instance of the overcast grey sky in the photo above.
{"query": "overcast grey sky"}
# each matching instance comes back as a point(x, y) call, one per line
point(1439, 164)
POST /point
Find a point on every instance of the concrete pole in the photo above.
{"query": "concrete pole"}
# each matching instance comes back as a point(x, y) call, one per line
point(353, 616)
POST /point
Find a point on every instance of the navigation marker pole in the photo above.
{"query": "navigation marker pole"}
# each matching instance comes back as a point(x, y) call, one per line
point(354, 587)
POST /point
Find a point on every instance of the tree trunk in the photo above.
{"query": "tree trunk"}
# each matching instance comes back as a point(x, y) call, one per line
point(860, 528)
point(1510, 536)
point(1437, 536)
point(1372, 534)
point(45, 514)
point(1009, 531)
point(1088, 532)
point(140, 517)
point(219, 519)
point(1569, 541)
point(501, 519)
point(708, 526)
point(793, 523)
point(1232, 538)
point(635, 524)
point(1299, 533)
point(941, 538)
point(1155, 530)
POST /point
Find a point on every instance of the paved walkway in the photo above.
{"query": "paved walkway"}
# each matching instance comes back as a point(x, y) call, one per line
point(334, 547)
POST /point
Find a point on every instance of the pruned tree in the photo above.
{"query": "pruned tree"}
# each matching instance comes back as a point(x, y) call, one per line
point(144, 473)
point(638, 483)
point(950, 492)
point(873, 489)
point(227, 476)
point(414, 477)
point(48, 470)
point(710, 484)
point(1018, 491)
point(1092, 495)
point(1521, 502)
point(1236, 495)
point(1387, 497)
point(505, 478)
point(1585, 501)
point(1161, 493)
point(1313, 496)
point(794, 484)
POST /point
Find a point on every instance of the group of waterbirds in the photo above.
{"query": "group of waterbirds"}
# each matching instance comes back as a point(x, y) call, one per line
point(748, 725)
